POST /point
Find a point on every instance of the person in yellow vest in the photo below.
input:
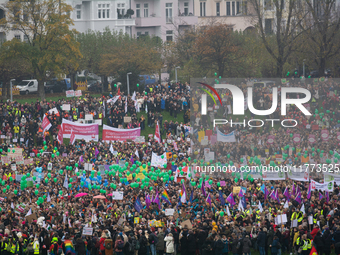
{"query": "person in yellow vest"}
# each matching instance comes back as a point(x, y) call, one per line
point(36, 246)
point(3, 245)
point(13, 246)
point(304, 245)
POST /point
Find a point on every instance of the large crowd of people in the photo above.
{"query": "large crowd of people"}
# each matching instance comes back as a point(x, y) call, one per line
point(108, 198)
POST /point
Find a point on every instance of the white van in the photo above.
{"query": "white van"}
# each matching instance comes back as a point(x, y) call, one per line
point(28, 86)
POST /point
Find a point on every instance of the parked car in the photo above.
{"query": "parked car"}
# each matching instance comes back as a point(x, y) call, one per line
point(54, 85)
point(28, 86)
point(315, 73)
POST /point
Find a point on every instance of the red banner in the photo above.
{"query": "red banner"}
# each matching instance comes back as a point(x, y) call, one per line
point(117, 134)
point(82, 131)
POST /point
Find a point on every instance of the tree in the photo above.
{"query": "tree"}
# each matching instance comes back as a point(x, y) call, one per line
point(139, 56)
point(322, 29)
point(217, 47)
point(12, 65)
point(49, 45)
point(287, 16)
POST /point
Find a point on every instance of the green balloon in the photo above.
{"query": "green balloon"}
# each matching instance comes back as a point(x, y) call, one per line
point(60, 192)
point(15, 192)
point(36, 192)
point(222, 214)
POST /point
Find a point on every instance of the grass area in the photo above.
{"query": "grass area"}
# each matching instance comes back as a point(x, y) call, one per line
point(32, 98)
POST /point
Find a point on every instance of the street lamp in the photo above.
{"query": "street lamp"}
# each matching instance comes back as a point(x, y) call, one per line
point(11, 88)
point(128, 84)
point(177, 67)
point(303, 70)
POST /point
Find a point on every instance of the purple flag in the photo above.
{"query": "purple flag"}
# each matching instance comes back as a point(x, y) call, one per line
point(266, 192)
point(327, 196)
point(138, 205)
point(131, 159)
point(230, 199)
point(152, 199)
point(203, 190)
point(277, 196)
point(240, 194)
point(309, 192)
point(286, 193)
point(117, 161)
point(273, 195)
point(320, 196)
point(220, 196)
point(293, 188)
point(81, 159)
point(147, 201)
point(158, 202)
point(298, 198)
point(297, 190)
point(96, 152)
point(208, 199)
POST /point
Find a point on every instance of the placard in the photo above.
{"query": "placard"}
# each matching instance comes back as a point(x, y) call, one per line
point(310, 220)
point(127, 119)
point(169, 212)
point(5, 160)
point(31, 217)
point(222, 183)
point(49, 166)
point(66, 107)
point(236, 189)
point(15, 140)
point(87, 231)
point(19, 160)
point(13, 167)
point(78, 93)
point(28, 161)
point(70, 93)
point(118, 195)
point(186, 223)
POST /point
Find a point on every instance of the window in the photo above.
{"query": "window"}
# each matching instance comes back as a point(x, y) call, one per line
point(138, 10)
point(146, 33)
point(228, 9)
point(121, 9)
point(186, 8)
point(268, 26)
point(238, 8)
point(202, 9)
point(78, 11)
point(25, 38)
point(244, 8)
point(217, 9)
point(169, 35)
point(103, 11)
point(18, 37)
point(168, 12)
point(139, 34)
point(146, 10)
point(233, 8)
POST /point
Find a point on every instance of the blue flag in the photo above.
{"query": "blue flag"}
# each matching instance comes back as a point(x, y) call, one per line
point(138, 205)
point(191, 196)
point(220, 196)
point(244, 203)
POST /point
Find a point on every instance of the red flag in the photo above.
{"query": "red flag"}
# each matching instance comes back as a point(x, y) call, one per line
point(313, 251)
point(46, 124)
point(60, 135)
point(157, 133)
point(118, 93)
point(72, 137)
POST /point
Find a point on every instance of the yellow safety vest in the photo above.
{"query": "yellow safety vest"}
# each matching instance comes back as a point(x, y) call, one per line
point(4, 247)
point(36, 248)
point(293, 216)
point(13, 250)
point(300, 217)
point(315, 218)
point(305, 245)
point(309, 244)
point(298, 241)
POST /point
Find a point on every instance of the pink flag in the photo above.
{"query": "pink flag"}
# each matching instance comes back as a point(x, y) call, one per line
point(324, 135)
point(46, 124)
point(157, 133)
point(175, 146)
point(209, 199)
point(60, 135)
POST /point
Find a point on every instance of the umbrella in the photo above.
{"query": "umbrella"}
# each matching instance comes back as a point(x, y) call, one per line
point(110, 194)
point(100, 196)
point(80, 195)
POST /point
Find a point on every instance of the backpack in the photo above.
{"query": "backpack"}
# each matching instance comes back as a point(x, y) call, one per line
point(120, 245)
point(59, 249)
point(97, 245)
point(130, 247)
point(108, 246)
point(137, 245)
point(278, 245)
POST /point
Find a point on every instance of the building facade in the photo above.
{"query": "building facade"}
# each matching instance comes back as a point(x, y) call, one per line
point(236, 14)
point(163, 18)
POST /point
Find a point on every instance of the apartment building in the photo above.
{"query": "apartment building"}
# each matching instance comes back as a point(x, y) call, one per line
point(89, 15)
point(237, 14)
point(163, 18)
